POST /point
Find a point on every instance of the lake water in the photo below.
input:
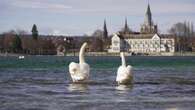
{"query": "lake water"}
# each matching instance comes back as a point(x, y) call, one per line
point(43, 83)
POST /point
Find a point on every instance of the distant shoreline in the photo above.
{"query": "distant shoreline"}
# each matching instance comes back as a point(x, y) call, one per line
point(102, 54)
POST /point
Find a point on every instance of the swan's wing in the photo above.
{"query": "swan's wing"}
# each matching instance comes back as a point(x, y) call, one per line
point(129, 70)
point(84, 68)
point(78, 77)
point(72, 64)
point(121, 73)
point(124, 73)
point(73, 67)
point(130, 67)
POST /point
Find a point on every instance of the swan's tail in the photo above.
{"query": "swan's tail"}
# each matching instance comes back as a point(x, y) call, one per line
point(123, 59)
point(81, 53)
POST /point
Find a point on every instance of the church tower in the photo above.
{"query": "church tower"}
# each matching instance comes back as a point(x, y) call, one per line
point(148, 27)
point(126, 28)
point(148, 17)
point(105, 33)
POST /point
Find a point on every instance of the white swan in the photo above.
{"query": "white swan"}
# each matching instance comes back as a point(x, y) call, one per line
point(80, 71)
point(124, 73)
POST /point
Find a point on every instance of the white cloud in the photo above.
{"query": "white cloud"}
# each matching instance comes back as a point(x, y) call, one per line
point(173, 8)
point(78, 15)
point(39, 5)
point(56, 32)
point(110, 7)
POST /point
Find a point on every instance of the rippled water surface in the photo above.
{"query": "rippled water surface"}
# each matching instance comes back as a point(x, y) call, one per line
point(43, 83)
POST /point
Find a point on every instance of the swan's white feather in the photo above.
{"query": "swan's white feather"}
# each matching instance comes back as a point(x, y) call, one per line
point(79, 71)
point(124, 73)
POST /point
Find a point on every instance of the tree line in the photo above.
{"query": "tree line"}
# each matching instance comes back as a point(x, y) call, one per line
point(19, 41)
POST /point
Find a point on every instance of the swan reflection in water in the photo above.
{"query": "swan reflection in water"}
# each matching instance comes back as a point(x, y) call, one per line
point(78, 87)
point(172, 109)
point(124, 88)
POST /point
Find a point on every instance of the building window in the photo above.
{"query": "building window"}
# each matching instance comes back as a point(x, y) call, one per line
point(115, 42)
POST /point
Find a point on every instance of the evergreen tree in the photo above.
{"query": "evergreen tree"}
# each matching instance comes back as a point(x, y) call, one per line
point(17, 44)
point(34, 32)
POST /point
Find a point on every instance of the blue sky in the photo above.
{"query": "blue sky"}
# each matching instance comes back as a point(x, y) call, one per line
point(77, 17)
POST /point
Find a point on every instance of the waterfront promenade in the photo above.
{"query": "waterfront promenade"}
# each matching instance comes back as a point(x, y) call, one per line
point(108, 54)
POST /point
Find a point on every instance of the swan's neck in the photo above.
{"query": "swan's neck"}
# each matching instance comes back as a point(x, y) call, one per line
point(123, 59)
point(81, 53)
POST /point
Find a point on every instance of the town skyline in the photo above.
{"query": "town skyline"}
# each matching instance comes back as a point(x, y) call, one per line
point(77, 18)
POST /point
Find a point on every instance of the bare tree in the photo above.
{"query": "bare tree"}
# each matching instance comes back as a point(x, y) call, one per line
point(97, 42)
point(8, 40)
point(98, 33)
point(21, 32)
point(182, 31)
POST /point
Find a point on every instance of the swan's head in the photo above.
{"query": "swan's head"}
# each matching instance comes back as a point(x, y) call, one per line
point(84, 44)
point(73, 68)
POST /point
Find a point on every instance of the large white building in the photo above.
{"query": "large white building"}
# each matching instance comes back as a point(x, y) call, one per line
point(151, 43)
point(146, 41)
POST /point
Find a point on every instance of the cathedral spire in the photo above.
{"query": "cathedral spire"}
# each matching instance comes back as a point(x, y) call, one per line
point(148, 26)
point(148, 9)
point(148, 16)
point(105, 30)
point(126, 28)
point(126, 25)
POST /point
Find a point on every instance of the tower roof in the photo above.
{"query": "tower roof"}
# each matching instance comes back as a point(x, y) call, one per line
point(148, 26)
point(148, 9)
point(105, 23)
point(148, 16)
point(126, 28)
point(105, 29)
point(126, 25)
